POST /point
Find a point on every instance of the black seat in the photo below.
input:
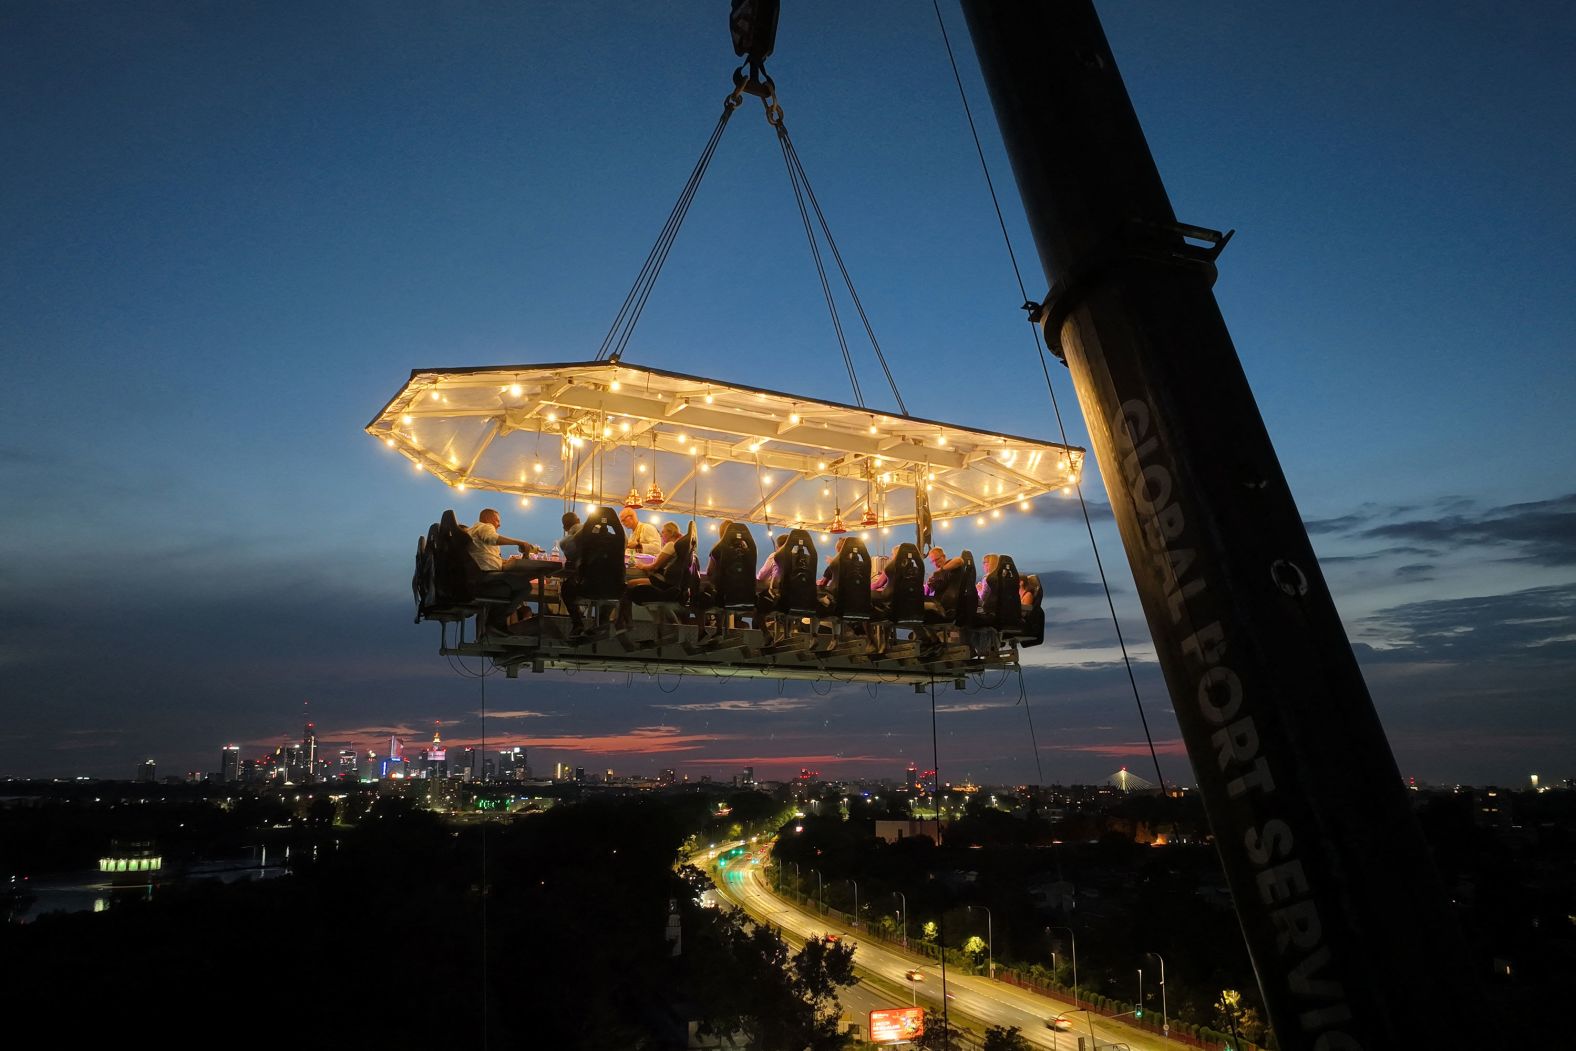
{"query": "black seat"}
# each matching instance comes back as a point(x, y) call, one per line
point(731, 577)
point(675, 587)
point(1034, 616)
point(797, 561)
point(850, 585)
point(598, 565)
point(906, 575)
point(999, 606)
point(957, 601)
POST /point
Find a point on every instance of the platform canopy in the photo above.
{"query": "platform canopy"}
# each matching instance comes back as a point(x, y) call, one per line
point(590, 432)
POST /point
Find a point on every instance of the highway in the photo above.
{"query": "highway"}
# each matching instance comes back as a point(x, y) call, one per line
point(979, 1001)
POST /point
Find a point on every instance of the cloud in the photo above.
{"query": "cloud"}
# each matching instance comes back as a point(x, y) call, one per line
point(770, 704)
point(1061, 583)
point(1532, 624)
point(1122, 749)
point(520, 714)
point(640, 740)
point(975, 706)
point(1057, 508)
point(1542, 532)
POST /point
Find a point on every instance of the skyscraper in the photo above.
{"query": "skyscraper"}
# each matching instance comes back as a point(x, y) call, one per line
point(230, 763)
point(346, 768)
point(309, 752)
point(147, 771)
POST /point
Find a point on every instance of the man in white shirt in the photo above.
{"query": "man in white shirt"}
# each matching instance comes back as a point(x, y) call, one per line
point(486, 540)
point(640, 537)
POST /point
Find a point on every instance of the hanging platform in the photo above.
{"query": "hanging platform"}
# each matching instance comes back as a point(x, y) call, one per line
point(578, 432)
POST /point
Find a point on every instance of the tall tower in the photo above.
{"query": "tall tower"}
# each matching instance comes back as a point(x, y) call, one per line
point(309, 749)
point(230, 763)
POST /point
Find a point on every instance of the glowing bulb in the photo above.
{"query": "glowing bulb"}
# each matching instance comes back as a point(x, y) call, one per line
point(607, 432)
point(715, 527)
point(461, 487)
point(683, 439)
point(614, 386)
point(872, 428)
point(389, 442)
point(417, 466)
point(695, 450)
point(996, 513)
point(436, 395)
point(825, 539)
point(406, 419)
point(980, 521)
point(826, 490)
point(454, 461)
point(864, 536)
point(793, 417)
point(552, 417)
point(941, 440)
point(885, 530)
point(767, 479)
point(946, 523)
point(525, 501)
point(820, 465)
point(642, 468)
point(624, 426)
point(1024, 505)
point(537, 467)
point(514, 389)
point(705, 467)
point(768, 508)
point(708, 399)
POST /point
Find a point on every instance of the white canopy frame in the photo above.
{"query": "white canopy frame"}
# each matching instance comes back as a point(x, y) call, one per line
point(579, 431)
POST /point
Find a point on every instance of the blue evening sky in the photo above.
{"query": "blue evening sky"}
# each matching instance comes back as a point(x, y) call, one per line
point(229, 230)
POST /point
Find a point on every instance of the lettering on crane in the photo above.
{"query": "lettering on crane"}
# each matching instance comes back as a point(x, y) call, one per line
point(1279, 879)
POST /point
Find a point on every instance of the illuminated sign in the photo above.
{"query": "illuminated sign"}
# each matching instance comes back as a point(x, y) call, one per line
point(896, 1023)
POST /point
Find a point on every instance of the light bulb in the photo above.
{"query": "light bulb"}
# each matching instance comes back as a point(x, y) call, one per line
point(389, 442)
point(514, 389)
point(614, 386)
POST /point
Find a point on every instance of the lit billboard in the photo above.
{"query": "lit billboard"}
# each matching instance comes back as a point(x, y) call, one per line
point(896, 1023)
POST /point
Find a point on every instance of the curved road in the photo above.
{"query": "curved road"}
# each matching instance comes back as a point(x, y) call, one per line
point(980, 999)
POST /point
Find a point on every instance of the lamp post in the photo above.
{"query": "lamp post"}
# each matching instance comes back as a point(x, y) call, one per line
point(1074, 939)
point(855, 923)
point(990, 942)
point(1140, 993)
point(902, 898)
point(797, 876)
point(1165, 1019)
point(1053, 967)
point(817, 889)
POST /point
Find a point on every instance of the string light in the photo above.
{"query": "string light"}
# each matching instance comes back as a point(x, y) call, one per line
point(525, 501)
point(614, 386)
point(514, 390)
point(406, 419)
point(389, 442)
point(436, 395)
point(980, 521)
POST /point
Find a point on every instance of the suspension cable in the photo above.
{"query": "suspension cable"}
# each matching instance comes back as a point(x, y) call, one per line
point(618, 334)
point(1051, 390)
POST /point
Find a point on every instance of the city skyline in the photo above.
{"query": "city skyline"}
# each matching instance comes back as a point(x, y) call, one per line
point(232, 232)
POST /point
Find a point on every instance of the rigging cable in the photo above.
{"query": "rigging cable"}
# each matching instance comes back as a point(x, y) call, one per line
point(935, 800)
point(1055, 407)
point(618, 334)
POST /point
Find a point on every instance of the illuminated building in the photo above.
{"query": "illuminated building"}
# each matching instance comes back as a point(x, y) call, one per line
point(230, 763)
point(512, 764)
point(347, 765)
point(308, 753)
point(147, 771)
point(131, 862)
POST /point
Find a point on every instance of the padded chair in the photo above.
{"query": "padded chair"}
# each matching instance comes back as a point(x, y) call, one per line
point(906, 573)
point(1034, 616)
point(595, 577)
point(732, 577)
point(999, 606)
point(680, 580)
point(797, 559)
point(850, 590)
point(958, 602)
point(421, 580)
point(459, 587)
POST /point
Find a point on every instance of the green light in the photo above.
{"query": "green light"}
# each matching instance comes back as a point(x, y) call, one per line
point(1138, 1013)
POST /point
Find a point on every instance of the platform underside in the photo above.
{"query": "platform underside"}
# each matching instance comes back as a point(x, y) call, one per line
point(655, 648)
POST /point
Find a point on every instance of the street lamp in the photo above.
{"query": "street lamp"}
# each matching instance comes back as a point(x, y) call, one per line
point(990, 942)
point(1165, 1019)
point(817, 889)
point(1053, 967)
point(1074, 939)
point(855, 882)
point(1140, 1012)
point(904, 900)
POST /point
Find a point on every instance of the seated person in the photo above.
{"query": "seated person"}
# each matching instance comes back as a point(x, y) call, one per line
point(990, 567)
point(639, 537)
point(945, 569)
point(881, 588)
point(1025, 594)
point(766, 581)
point(664, 572)
point(567, 588)
point(829, 573)
point(484, 543)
